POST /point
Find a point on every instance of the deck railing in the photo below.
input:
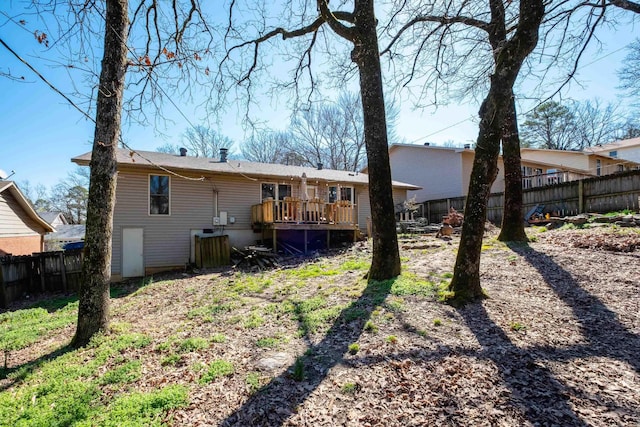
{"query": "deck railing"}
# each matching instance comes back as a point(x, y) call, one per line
point(314, 211)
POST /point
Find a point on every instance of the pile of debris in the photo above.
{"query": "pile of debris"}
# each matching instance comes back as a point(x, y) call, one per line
point(254, 258)
point(629, 220)
point(454, 218)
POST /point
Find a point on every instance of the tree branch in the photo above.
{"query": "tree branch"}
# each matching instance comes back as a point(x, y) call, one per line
point(626, 4)
point(444, 20)
point(333, 20)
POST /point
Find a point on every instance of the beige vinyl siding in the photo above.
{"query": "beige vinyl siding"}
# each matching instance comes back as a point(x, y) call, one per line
point(193, 206)
point(166, 237)
point(14, 221)
point(363, 206)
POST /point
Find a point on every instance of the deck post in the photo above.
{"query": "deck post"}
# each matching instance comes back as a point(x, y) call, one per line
point(275, 242)
point(305, 241)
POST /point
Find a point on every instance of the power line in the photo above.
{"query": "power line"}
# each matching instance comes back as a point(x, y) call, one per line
point(527, 112)
point(74, 105)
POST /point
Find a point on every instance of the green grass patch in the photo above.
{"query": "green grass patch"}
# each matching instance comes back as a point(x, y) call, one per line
point(354, 348)
point(310, 271)
point(218, 338)
point(171, 360)
point(254, 381)
point(410, 284)
point(67, 388)
point(141, 409)
point(349, 388)
point(211, 312)
point(216, 369)
point(21, 328)
point(371, 327)
point(193, 344)
point(253, 321)
point(355, 265)
point(126, 373)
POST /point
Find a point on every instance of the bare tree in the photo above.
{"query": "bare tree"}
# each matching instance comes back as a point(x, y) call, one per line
point(202, 141)
point(629, 74)
point(512, 36)
point(269, 146)
point(358, 29)
point(465, 283)
point(136, 44)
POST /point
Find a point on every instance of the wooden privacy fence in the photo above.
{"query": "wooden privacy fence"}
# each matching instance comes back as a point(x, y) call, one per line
point(598, 194)
point(39, 272)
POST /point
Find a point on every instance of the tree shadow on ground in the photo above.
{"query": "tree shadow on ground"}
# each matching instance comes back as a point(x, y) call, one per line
point(278, 400)
point(19, 373)
point(542, 399)
point(606, 336)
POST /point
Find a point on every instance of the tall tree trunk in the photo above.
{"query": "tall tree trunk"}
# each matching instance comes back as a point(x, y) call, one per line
point(465, 284)
point(93, 311)
point(512, 229)
point(386, 257)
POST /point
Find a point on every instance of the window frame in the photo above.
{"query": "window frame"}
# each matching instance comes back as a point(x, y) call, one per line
point(149, 195)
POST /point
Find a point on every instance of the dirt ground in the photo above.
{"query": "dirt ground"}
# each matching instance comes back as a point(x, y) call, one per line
point(556, 343)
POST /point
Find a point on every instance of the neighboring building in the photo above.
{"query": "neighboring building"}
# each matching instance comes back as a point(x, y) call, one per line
point(65, 232)
point(589, 163)
point(164, 200)
point(627, 149)
point(21, 228)
point(444, 172)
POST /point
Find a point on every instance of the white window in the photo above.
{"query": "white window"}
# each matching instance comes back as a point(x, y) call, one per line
point(598, 167)
point(159, 195)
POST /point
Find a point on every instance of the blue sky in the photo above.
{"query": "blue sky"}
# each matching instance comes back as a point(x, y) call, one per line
point(41, 132)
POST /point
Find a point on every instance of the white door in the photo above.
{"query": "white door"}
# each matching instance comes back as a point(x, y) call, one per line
point(132, 252)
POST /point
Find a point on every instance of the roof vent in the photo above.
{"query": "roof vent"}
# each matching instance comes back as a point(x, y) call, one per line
point(426, 144)
point(223, 155)
point(319, 166)
point(467, 146)
point(183, 152)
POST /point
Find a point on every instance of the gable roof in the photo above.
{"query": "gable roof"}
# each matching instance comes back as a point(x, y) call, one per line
point(50, 217)
point(157, 161)
point(10, 186)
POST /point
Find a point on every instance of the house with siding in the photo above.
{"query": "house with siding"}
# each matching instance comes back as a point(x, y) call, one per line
point(22, 230)
point(444, 172)
point(627, 149)
point(163, 201)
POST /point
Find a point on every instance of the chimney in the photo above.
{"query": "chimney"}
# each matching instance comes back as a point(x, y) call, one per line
point(319, 166)
point(183, 152)
point(223, 155)
point(467, 146)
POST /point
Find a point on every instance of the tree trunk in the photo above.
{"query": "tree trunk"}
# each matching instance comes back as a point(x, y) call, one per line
point(512, 229)
point(386, 257)
point(93, 311)
point(465, 284)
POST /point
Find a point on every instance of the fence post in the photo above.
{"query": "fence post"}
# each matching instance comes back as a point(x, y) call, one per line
point(580, 196)
point(41, 263)
point(63, 272)
point(4, 298)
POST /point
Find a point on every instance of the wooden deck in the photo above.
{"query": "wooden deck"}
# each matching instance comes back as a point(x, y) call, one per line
point(292, 213)
point(289, 214)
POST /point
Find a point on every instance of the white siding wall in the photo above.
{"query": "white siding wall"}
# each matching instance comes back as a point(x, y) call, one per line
point(13, 219)
point(438, 171)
